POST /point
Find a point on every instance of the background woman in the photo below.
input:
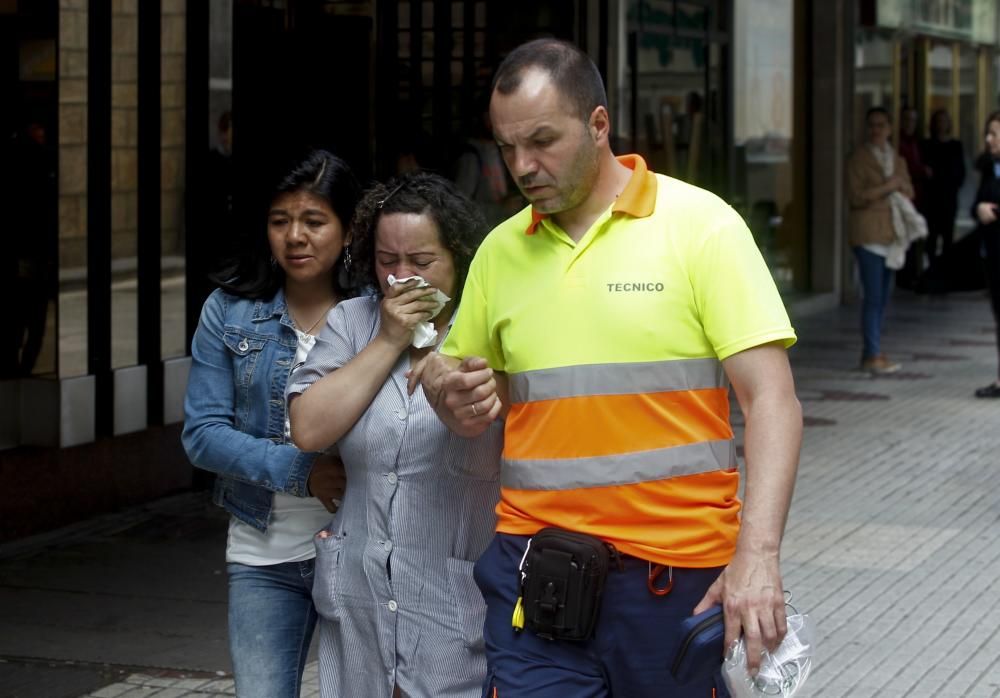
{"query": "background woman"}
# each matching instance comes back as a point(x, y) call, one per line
point(869, 188)
point(394, 571)
point(987, 212)
point(252, 332)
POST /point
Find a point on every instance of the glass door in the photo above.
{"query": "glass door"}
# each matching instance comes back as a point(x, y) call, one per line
point(677, 71)
point(939, 76)
point(948, 77)
point(769, 148)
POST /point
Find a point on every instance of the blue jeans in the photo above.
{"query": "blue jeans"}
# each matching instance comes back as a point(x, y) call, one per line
point(271, 622)
point(630, 654)
point(876, 280)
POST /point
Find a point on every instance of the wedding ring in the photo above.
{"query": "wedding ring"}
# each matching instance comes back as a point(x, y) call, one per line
point(474, 412)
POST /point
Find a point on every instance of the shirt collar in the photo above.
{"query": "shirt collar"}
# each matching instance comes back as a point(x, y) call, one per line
point(265, 309)
point(638, 199)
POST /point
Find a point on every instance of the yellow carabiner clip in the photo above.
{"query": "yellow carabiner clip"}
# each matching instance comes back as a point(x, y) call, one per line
point(517, 620)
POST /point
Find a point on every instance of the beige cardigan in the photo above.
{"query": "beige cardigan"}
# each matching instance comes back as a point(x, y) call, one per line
point(871, 221)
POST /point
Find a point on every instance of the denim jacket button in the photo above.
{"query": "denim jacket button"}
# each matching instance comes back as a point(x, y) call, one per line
point(244, 345)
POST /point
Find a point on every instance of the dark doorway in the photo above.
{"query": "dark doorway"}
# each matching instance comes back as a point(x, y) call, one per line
point(301, 79)
point(28, 186)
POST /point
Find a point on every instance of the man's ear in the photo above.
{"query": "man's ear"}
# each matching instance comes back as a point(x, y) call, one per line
point(599, 124)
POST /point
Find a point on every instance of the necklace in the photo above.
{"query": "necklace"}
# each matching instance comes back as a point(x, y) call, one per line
point(315, 324)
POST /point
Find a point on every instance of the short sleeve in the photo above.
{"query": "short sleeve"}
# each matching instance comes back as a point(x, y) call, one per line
point(738, 303)
point(472, 333)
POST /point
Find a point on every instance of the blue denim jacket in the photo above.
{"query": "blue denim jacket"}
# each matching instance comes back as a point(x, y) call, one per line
point(234, 411)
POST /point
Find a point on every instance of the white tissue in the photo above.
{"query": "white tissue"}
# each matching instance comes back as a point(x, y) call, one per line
point(424, 334)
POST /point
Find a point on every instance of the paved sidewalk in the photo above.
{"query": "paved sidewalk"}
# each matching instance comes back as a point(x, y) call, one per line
point(142, 685)
point(893, 542)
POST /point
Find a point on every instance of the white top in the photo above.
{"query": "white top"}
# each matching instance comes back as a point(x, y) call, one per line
point(293, 521)
point(880, 250)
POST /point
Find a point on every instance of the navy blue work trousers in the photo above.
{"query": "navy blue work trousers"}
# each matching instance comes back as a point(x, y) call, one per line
point(630, 654)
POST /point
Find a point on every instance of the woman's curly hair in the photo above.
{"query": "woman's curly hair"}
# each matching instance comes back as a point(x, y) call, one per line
point(459, 222)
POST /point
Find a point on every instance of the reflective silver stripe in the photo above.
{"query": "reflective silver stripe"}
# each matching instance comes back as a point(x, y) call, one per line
point(617, 379)
point(623, 469)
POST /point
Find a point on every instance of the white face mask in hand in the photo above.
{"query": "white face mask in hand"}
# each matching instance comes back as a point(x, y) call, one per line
point(424, 335)
point(782, 672)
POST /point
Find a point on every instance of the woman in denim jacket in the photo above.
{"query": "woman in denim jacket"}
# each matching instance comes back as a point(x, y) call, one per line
point(253, 331)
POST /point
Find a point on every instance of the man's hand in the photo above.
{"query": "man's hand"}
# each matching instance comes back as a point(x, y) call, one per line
point(430, 372)
point(464, 394)
point(327, 481)
point(986, 212)
point(753, 603)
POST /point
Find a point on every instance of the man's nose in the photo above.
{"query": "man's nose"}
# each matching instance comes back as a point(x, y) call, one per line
point(523, 163)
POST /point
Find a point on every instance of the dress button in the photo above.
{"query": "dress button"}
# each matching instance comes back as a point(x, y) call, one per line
point(393, 606)
point(392, 478)
point(402, 415)
point(387, 545)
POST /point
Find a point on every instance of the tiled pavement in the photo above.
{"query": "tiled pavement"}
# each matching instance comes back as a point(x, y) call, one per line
point(147, 685)
point(893, 542)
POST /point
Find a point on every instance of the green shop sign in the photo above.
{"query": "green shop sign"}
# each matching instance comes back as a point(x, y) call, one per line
point(971, 20)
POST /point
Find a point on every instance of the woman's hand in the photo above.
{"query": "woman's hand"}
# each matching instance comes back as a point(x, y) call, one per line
point(890, 185)
point(986, 212)
point(403, 308)
point(327, 481)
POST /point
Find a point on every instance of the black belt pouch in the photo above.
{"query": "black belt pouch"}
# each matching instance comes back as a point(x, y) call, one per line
point(563, 577)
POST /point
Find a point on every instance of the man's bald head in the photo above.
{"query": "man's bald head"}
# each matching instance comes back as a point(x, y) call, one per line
point(569, 69)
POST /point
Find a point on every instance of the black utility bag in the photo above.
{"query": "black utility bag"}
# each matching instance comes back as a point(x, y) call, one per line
point(561, 583)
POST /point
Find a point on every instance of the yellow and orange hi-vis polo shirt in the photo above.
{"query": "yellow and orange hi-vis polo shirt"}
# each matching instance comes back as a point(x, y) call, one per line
point(619, 416)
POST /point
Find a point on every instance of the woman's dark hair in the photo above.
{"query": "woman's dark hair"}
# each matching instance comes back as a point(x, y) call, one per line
point(936, 117)
point(320, 173)
point(995, 116)
point(459, 222)
point(878, 110)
